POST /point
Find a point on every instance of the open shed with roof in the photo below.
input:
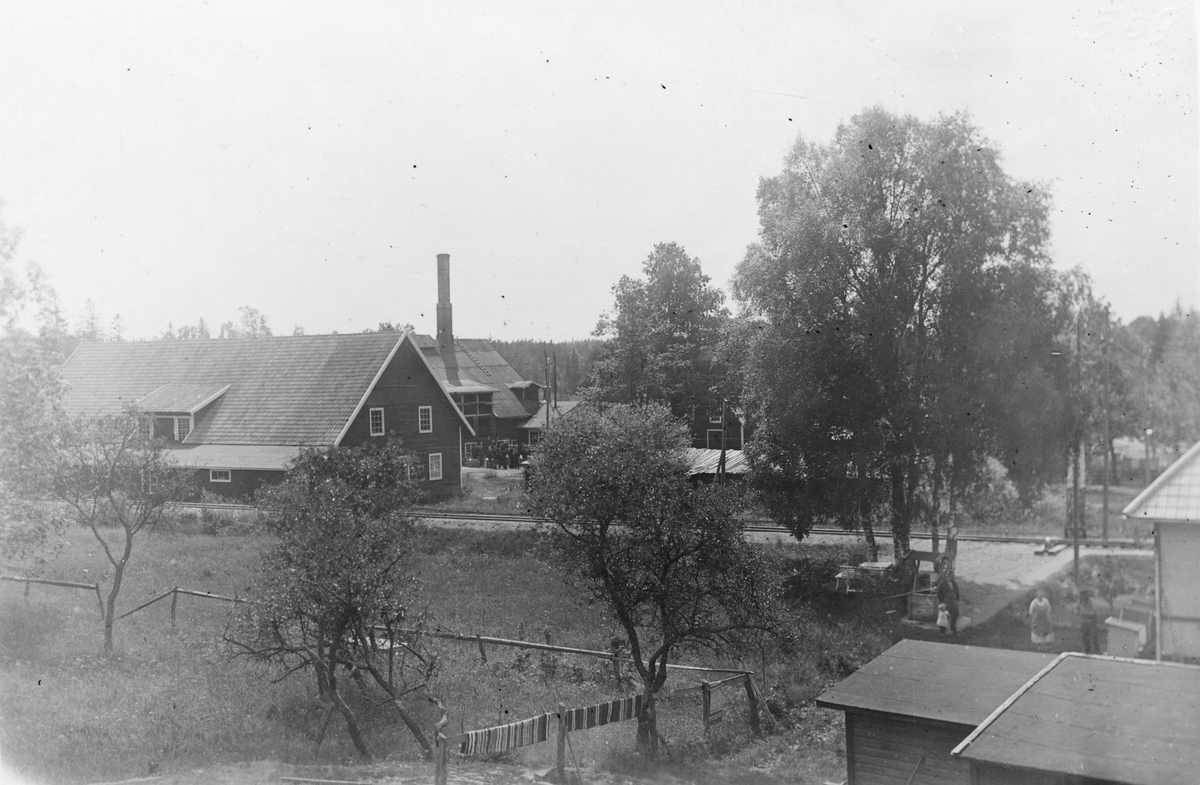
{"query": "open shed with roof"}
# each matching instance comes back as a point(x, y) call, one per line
point(1092, 719)
point(910, 706)
point(1172, 504)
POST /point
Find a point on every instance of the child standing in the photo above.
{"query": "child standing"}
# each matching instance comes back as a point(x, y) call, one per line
point(943, 620)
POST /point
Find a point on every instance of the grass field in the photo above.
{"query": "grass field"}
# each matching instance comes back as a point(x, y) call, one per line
point(168, 702)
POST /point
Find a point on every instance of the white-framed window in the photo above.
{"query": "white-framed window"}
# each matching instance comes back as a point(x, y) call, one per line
point(435, 466)
point(425, 419)
point(183, 426)
point(149, 482)
point(220, 475)
point(714, 418)
point(376, 417)
point(535, 436)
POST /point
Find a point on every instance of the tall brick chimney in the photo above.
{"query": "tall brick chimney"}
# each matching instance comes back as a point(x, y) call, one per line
point(445, 319)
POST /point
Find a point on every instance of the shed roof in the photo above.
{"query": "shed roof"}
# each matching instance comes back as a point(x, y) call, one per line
point(702, 461)
point(469, 364)
point(1132, 721)
point(234, 456)
point(1173, 497)
point(935, 681)
point(538, 421)
point(189, 398)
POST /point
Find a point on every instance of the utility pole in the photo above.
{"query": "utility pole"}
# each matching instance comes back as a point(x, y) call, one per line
point(1076, 495)
point(1106, 371)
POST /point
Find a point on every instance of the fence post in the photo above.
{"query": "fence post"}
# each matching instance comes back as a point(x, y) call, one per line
point(482, 653)
point(99, 600)
point(26, 591)
point(707, 693)
point(753, 700)
point(174, 599)
point(560, 762)
point(439, 761)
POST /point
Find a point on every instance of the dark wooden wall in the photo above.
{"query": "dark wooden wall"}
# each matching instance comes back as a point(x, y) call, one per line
point(885, 751)
point(405, 385)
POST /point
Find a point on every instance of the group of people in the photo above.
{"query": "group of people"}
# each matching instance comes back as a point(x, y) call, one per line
point(1041, 623)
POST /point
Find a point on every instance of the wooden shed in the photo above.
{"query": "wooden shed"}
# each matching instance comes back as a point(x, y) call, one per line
point(1088, 718)
point(1172, 503)
point(910, 706)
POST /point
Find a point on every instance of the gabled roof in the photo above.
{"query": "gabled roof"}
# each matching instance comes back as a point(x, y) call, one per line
point(935, 681)
point(1173, 497)
point(538, 421)
point(470, 364)
point(1111, 718)
point(279, 391)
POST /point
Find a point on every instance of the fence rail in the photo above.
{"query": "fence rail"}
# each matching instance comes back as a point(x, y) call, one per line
point(93, 587)
point(174, 593)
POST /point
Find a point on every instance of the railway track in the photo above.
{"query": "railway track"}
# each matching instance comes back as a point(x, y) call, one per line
point(755, 526)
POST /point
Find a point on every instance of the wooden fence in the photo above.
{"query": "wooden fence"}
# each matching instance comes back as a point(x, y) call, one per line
point(174, 595)
point(516, 734)
point(93, 587)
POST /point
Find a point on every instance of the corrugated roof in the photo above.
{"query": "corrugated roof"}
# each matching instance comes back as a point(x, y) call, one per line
point(702, 461)
point(286, 390)
point(936, 681)
point(538, 421)
point(474, 362)
point(1111, 718)
point(234, 456)
point(1175, 495)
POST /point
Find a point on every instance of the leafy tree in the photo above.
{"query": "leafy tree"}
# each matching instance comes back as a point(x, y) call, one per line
point(665, 558)
point(337, 586)
point(30, 401)
point(881, 257)
point(117, 480)
point(253, 325)
point(660, 336)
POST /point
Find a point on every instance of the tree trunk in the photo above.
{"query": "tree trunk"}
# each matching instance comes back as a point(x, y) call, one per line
point(864, 514)
point(355, 732)
point(647, 731)
point(935, 505)
point(413, 728)
point(900, 522)
point(110, 608)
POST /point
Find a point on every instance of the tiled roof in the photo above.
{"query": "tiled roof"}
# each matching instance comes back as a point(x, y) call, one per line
point(538, 421)
point(474, 362)
point(281, 391)
point(1108, 718)
point(1173, 497)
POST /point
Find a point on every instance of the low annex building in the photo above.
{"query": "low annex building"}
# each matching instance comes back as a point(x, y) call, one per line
point(945, 714)
point(910, 706)
point(238, 410)
point(1172, 504)
point(1088, 718)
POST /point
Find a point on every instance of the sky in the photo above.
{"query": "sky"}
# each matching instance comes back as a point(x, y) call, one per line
point(176, 161)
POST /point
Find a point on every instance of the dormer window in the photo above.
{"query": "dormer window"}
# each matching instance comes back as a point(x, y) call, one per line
point(183, 426)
